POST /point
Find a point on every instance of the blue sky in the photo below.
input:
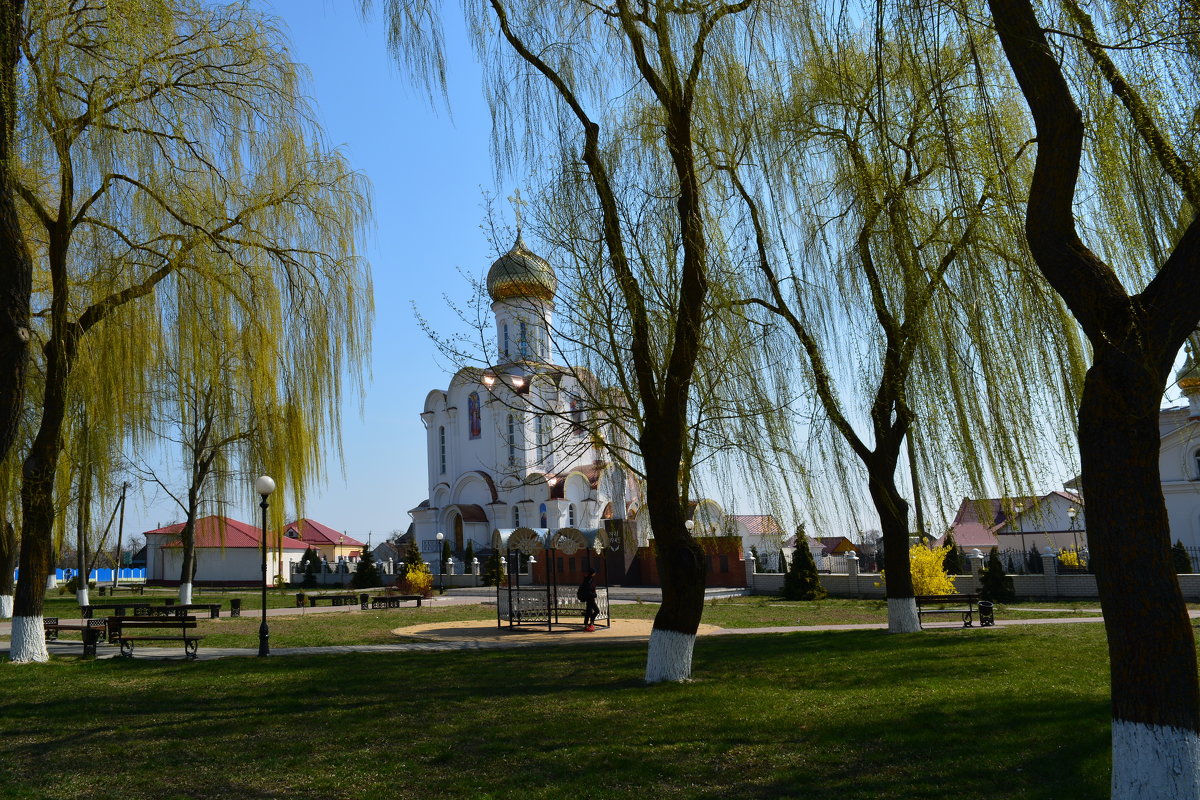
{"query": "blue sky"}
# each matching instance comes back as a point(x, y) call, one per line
point(429, 172)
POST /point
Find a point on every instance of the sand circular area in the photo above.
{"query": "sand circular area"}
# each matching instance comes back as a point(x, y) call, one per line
point(630, 630)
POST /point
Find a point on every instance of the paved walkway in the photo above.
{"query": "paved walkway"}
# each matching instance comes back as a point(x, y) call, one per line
point(485, 635)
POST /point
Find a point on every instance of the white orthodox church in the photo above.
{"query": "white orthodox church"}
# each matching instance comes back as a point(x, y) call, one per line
point(509, 446)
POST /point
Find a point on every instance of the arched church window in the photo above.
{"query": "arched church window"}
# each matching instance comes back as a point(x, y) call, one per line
point(576, 418)
point(1196, 462)
point(542, 516)
point(442, 448)
point(523, 342)
point(571, 515)
point(506, 340)
point(512, 441)
point(538, 434)
point(516, 516)
point(474, 428)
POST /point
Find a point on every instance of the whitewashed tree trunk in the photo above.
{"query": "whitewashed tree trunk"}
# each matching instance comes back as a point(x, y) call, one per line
point(28, 641)
point(81, 595)
point(185, 594)
point(670, 656)
point(1154, 762)
point(51, 582)
point(6, 606)
point(902, 615)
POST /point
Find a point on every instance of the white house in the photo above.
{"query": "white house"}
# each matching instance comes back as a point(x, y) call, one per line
point(1179, 469)
point(228, 552)
point(1018, 523)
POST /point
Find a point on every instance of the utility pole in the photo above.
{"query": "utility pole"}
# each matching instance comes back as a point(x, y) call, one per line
point(120, 530)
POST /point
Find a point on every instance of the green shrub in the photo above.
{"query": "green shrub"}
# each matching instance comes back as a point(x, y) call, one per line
point(72, 586)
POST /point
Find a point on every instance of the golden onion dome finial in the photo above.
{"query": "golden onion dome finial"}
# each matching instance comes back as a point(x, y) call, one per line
point(521, 273)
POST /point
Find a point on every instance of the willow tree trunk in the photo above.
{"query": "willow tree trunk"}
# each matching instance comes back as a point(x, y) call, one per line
point(16, 267)
point(187, 569)
point(37, 474)
point(1152, 651)
point(681, 568)
point(16, 281)
point(83, 519)
point(9, 550)
point(893, 522)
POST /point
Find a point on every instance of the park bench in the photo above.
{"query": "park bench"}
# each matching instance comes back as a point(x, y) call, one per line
point(334, 599)
point(968, 614)
point(117, 608)
point(389, 600)
point(91, 630)
point(153, 629)
point(213, 609)
point(112, 590)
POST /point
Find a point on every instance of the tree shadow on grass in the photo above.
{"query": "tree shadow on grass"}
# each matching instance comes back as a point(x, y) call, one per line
point(986, 714)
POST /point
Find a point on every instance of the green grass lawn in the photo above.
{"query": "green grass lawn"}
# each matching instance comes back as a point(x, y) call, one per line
point(1013, 714)
point(374, 627)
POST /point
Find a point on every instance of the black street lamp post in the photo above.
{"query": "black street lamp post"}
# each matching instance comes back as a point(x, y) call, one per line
point(441, 564)
point(264, 486)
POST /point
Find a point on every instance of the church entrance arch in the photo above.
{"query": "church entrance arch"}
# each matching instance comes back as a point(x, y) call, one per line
point(458, 533)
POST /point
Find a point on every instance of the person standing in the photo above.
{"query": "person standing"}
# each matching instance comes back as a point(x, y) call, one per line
point(587, 594)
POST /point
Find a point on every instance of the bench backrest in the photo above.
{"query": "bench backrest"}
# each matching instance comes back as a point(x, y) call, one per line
point(945, 598)
point(119, 623)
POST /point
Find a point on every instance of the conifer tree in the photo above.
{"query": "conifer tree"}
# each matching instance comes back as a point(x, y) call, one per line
point(492, 575)
point(310, 562)
point(1033, 561)
point(995, 585)
point(953, 562)
point(802, 582)
point(367, 574)
point(469, 557)
point(1181, 559)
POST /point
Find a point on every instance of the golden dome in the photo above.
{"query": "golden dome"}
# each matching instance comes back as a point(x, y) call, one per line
point(521, 273)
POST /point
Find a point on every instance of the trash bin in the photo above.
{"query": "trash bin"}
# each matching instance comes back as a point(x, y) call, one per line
point(235, 606)
point(985, 613)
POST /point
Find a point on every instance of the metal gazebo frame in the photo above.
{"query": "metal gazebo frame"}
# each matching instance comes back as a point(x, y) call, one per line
point(546, 605)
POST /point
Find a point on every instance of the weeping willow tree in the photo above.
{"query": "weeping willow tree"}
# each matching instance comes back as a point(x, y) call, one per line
point(564, 80)
point(225, 400)
point(1112, 224)
point(164, 144)
point(882, 231)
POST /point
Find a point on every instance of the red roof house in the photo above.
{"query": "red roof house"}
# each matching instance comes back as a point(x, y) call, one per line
point(328, 542)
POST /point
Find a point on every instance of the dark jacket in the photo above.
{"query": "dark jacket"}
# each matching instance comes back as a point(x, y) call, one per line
point(587, 590)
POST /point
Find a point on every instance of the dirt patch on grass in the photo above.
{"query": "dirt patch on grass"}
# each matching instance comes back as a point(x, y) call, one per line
point(566, 633)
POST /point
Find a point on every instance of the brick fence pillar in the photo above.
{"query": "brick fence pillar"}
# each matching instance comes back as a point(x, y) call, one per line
point(1050, 572)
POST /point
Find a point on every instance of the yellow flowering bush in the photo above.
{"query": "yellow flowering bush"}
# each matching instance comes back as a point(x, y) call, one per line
point(1069, 558)
point(417, 579)
point(928, 574)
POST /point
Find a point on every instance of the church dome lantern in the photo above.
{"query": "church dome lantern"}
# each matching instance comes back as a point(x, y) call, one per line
point(521, 273)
